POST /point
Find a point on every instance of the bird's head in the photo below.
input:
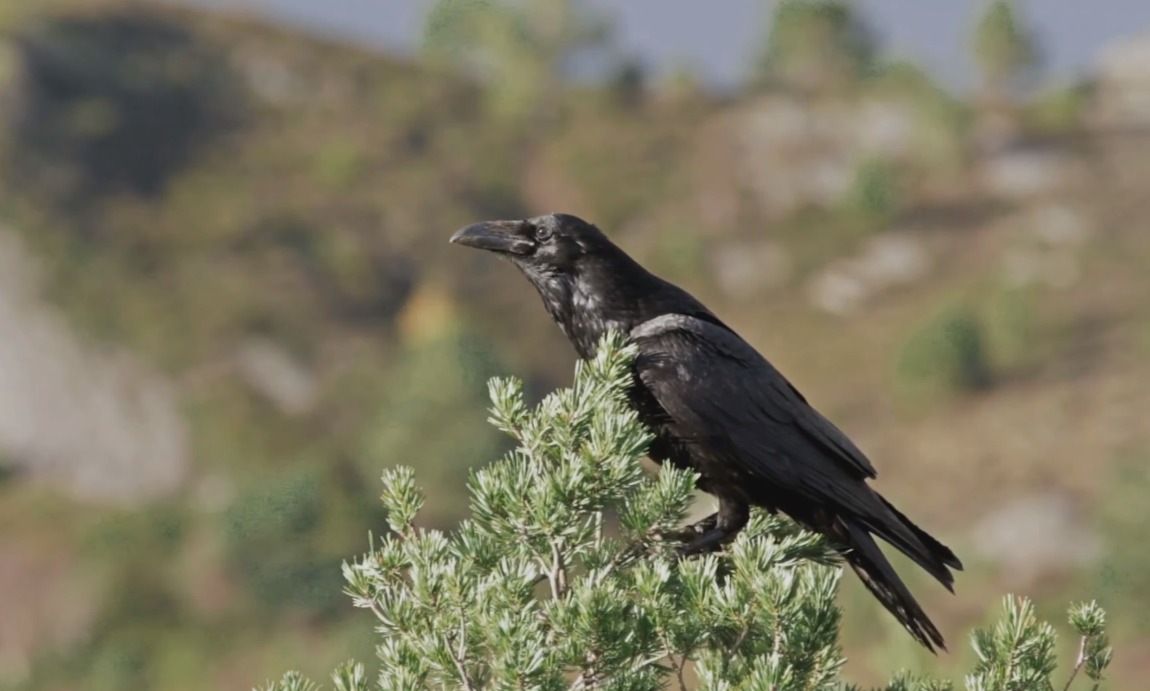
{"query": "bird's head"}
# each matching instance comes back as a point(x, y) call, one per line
point(588, 284)
point(544, 246)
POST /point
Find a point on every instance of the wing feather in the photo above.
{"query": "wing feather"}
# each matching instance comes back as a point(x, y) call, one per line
point(703, 373)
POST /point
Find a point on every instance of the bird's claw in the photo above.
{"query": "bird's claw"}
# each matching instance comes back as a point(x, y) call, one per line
point(702, 537)
point(692, 532)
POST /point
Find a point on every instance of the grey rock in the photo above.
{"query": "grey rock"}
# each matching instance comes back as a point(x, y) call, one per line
point(1035, 535)
point(1021, 173)
point(1045, 247)
point(96, 422)
point(743, 270)
point(273, 373)
point(887, 261)
point(1121, 76)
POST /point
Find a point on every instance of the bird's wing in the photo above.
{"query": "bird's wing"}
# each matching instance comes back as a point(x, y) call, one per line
point(710, 380)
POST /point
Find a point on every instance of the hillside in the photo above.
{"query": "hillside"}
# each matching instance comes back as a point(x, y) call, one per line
point(227, 302)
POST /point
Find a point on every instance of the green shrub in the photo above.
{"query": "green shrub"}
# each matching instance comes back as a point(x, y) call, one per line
point(339, 163)
point(1059, 109)
point(283, 541)
point(946, 355)
point(429, 417)
point(816, 45)
point(1123, 574)
point(938, 141)
point(875, 195)
point(1009, 325)
point(531, 591)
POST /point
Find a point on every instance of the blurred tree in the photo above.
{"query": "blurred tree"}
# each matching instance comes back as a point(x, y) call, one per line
point(10, 15)
point(119, 102)
point(283, 539)
point(941, 127)
point(1060, 108)
point(815, 45)
point(1123, 575)
point(14, 12)
point(627, 83)
point(436, 384)
point(680, 83)
point(1005, 50)
point(520, 49)
point(875, 195)
point(946, 355)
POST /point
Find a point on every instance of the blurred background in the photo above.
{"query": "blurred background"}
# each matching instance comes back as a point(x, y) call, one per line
point(227, 300)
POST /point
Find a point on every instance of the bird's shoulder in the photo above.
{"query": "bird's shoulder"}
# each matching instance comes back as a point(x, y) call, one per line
point(692, 336)
point(700, 368)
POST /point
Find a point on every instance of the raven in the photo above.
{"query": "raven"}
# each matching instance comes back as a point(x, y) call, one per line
point(720, 408)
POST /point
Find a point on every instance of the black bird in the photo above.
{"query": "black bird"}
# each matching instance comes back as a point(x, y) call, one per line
point(717, 406)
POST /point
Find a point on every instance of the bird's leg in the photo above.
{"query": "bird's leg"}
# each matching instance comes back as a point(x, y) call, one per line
point(690, 532)
point(731, 518)
point(699, 527)
point(703, 525)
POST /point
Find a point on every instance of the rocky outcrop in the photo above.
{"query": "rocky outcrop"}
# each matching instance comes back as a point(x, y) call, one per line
point(780, 153)
point(117, 102)
point(1122, 83)
point(885, 262)
point(97, 423)
point(274, 373)
point(1043, 246)
point(1021, 172)
point(1037, 535)
point(745, 270)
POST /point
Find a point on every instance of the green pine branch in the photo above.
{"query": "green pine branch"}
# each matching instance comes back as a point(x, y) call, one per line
point(561, 578)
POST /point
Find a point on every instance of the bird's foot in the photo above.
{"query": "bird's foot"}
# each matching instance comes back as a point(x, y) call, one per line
point(713, 532)
point(707, 542)
point(691, 532)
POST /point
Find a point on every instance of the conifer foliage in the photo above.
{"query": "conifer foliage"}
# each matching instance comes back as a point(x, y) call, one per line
point(565, 577)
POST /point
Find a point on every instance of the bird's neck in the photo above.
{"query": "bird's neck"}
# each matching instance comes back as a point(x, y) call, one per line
point(583, 316)
point(597, 299)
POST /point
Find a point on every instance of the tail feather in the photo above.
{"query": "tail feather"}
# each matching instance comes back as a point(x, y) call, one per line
point(855, 532)
point(937, 549)
point(933, 556)
point(877, 574)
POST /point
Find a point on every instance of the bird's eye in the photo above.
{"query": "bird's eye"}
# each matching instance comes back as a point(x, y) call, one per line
point(542, 233)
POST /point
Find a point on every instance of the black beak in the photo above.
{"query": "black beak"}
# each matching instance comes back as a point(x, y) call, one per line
point(494, 236)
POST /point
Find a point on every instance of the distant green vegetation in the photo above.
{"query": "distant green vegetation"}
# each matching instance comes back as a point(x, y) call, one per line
point(819, 45)
point(196, 184)
point(875, 196)
point(427, 413)
point(1123, 576)
point(1004, 47)
point(946, 354)
point(971, 345)
point(1010, 321)
point(1059, 109)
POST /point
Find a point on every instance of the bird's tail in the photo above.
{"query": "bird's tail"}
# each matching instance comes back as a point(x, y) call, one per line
point(920, 546)
point(875, 571)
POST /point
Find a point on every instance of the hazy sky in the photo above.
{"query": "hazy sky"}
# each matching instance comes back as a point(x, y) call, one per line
point(718, 37)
